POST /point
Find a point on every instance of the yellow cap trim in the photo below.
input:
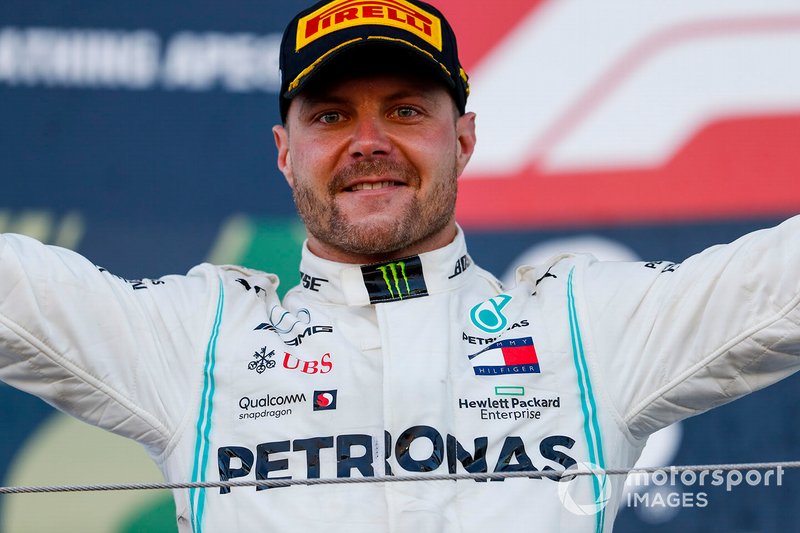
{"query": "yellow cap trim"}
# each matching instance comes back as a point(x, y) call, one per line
point(463, 74)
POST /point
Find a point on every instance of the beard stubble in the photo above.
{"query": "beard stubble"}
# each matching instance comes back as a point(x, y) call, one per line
point(419, 220)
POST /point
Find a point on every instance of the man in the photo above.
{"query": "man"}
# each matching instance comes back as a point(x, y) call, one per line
point(396, 354)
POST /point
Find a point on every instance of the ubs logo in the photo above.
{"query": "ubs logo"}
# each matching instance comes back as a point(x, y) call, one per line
point(321, 366)
point(263, 361)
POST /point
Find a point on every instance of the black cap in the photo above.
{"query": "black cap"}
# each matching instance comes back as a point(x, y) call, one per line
point(322, 32)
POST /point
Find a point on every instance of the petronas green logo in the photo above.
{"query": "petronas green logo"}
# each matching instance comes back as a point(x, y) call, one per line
point(394, 280)
point(390, 276)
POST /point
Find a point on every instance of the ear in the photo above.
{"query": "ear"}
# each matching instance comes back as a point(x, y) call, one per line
point(465, 139)
point(284, 158)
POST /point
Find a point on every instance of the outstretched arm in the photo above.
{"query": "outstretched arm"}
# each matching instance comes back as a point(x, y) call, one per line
point(110, 351)
point(689, 337)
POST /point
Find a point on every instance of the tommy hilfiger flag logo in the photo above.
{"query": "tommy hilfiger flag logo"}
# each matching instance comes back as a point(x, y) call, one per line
point(507, 356)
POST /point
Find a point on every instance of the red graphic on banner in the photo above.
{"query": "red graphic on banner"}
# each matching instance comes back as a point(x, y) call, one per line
point(739, 164)
point(481, 26)
point(743, 167)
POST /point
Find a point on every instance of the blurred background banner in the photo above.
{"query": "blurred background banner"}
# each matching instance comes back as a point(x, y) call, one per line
point(139, 134)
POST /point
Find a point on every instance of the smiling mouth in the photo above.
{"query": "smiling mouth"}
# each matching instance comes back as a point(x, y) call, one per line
point(372, 186)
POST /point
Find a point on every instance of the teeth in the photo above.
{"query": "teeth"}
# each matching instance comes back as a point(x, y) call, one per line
point(381, 185)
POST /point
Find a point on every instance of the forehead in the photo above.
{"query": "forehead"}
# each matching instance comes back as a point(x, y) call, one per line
point(374, 85)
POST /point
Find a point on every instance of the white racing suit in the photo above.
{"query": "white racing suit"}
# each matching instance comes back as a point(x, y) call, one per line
point(423, 365)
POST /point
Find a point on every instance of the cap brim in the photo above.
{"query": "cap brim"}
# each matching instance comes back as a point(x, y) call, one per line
point(373, 44)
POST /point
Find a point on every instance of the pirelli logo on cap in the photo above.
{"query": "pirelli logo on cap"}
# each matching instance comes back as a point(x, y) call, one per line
point(341, 14)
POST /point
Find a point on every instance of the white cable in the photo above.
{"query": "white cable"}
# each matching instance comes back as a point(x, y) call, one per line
point(550, 474)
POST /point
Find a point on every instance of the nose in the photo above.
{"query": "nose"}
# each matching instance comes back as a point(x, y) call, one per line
point(369, 138)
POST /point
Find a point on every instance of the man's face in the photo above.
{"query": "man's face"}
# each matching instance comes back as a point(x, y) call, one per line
point(373, 161)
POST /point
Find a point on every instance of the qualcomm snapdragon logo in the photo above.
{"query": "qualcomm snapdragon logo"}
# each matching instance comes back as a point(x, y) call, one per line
point(586, 493)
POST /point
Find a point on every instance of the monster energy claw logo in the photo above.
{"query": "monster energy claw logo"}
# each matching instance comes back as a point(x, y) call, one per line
point(392, 267)
point(396, 280)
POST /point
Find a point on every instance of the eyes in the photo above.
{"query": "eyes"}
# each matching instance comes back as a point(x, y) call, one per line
point(402, 113)
point(329, 117)
point(406, 112)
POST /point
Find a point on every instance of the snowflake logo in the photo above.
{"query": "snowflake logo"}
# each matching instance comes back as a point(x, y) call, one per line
point(263, 361)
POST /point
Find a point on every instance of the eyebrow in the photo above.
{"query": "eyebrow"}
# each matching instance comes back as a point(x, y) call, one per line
point(314, 99)
point(413, 93)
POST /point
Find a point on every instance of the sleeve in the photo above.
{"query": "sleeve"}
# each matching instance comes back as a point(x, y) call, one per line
point(119, 354)
point(675, 340)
